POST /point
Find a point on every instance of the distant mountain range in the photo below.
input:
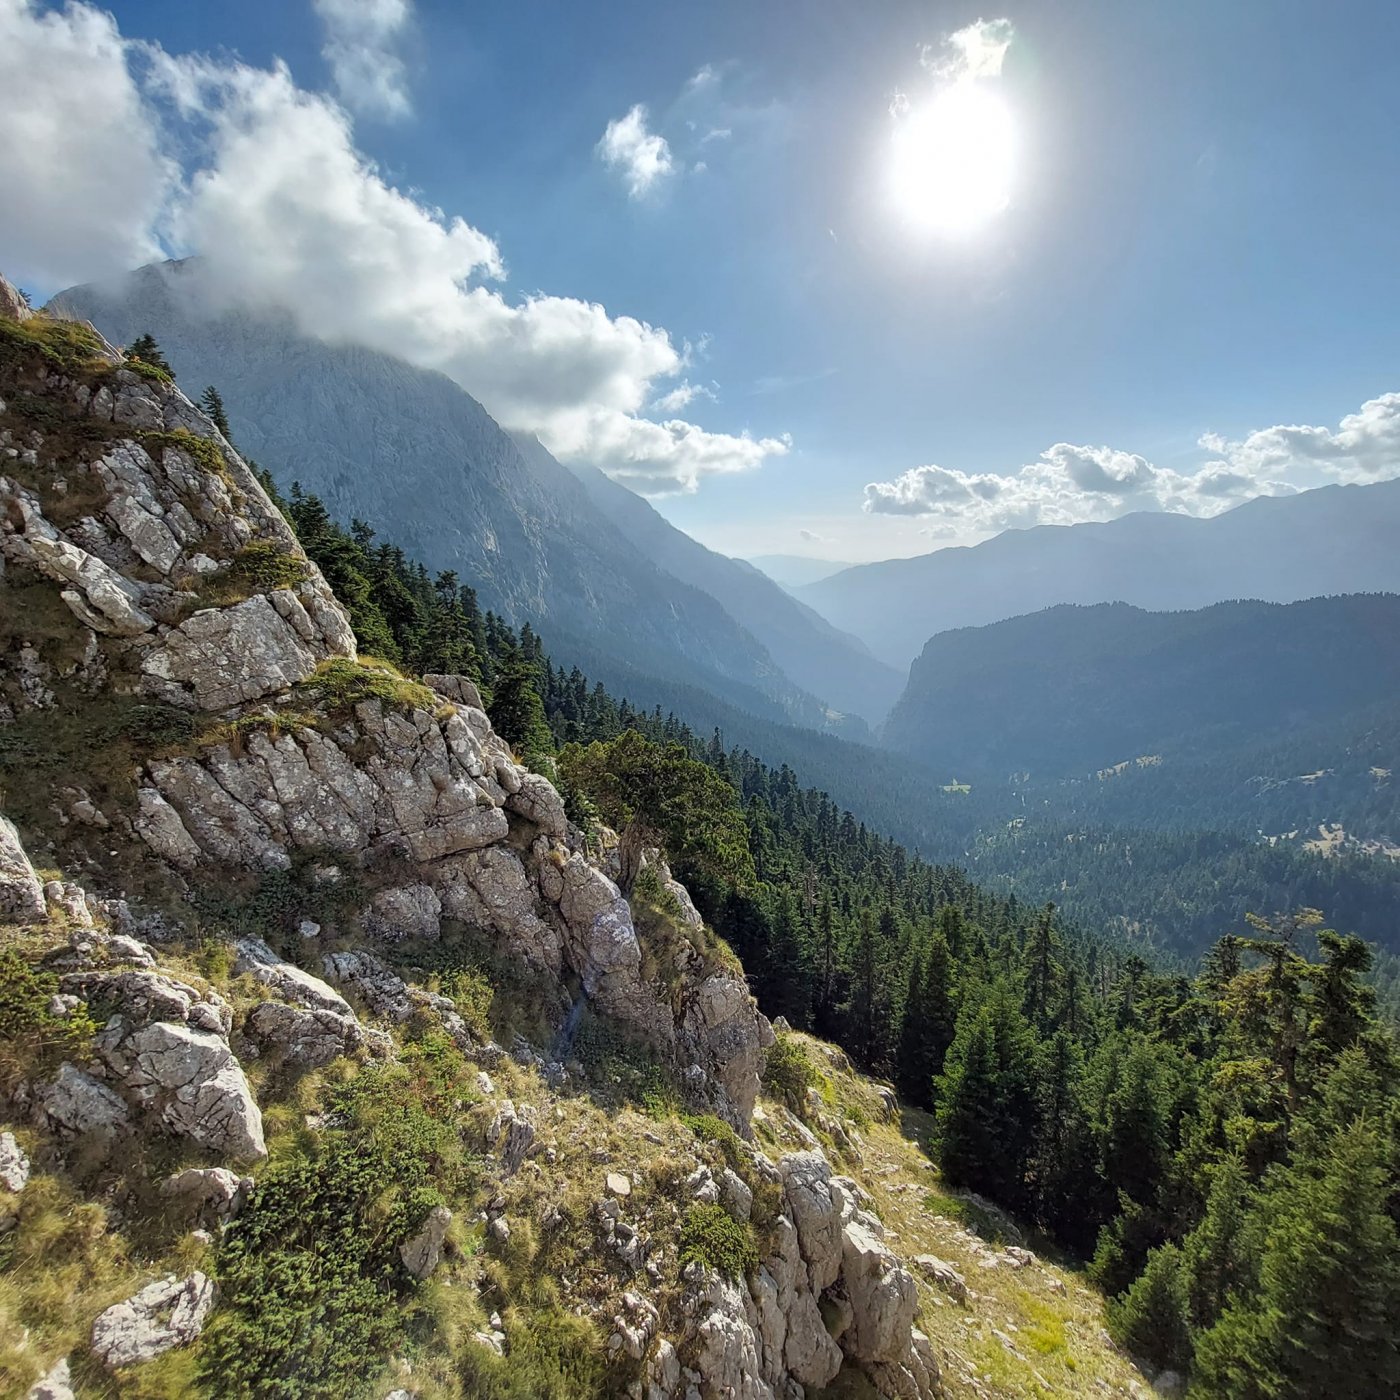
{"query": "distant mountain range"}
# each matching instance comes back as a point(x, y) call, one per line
point(796, 570)
point(1337, 539)
point(1071, 691)
point(608, 584)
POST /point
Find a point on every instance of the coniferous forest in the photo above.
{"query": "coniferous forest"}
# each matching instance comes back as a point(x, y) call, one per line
point(1223, 1148)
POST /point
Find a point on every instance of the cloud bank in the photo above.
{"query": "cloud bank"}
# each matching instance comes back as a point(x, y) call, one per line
point(286, 212)
point(1070, 484)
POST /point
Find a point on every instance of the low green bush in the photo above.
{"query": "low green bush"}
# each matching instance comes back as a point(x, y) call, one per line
point(264, 565)
point(32, 1038)
point(789, 1072)
point(340, 684)
point(712, 1237)
point(315, 1299)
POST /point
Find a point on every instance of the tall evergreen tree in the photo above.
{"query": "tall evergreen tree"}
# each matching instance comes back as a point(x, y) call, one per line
point(1323, 1320)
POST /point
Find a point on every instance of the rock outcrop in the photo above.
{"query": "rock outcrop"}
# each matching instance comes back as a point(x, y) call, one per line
point(21, 894)
point(830, 1293)
point(165, 1314)
point(187, 589)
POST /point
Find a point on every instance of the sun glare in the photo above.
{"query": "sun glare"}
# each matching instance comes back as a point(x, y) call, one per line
point(953, 158)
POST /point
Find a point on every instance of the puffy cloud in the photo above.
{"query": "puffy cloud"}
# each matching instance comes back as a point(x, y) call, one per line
point(640, 156)
point(81, 167)
point(287, 214)
point(1069, 484)
point(1365, 447)
point(978, 50)
point(360, 39)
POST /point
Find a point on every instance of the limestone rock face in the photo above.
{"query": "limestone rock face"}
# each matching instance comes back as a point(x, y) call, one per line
point(192, 1081)
point(165, 1314)
point(187, 587)
point(829, 1293)
point(422, 1254)
point(55, 1384)
point(78, 1104)
point(882, 1296)
point(287, 981)
point(21, 894)
point(210, 1195)
point(14, 1165)
point(226, 656)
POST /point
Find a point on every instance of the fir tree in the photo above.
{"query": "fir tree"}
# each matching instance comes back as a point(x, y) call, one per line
point(213, 407)
point(145, 349)
point(1149, 1321)
point(1323, 1321)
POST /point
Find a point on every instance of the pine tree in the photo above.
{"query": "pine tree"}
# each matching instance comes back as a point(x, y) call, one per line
point(145, 349)
point(987, 1112)
point(1149, 1321)
point(1323, 1320)
point(1044, 972)
point(515, 709)
point(1221, 1253)
point(213, 407)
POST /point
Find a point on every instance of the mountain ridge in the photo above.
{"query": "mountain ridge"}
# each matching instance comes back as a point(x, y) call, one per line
point(1267, 548)
point(379, 439)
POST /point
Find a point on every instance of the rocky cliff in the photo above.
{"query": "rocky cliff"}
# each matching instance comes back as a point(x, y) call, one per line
point(254, 848)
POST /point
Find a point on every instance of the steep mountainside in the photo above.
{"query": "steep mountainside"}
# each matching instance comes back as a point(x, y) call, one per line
point(377, 439)
point(258, 1133)
point(1339, 539)
point(818, 657)
point(1072, 690)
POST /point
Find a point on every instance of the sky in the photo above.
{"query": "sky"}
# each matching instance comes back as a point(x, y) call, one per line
point(849, 279)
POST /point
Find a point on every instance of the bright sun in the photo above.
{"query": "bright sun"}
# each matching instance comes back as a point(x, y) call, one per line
point(953, 160)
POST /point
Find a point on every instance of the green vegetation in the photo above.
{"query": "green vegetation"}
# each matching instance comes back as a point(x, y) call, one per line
point(340, 684)
point(32, 1038)
point(264, 565)
point(712, 1237)
point(659, 795)
point(314, 1292)
point(65, 345)
point(789, 1073)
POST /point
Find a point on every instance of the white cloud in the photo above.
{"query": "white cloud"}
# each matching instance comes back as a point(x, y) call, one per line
point(640, 156)
point(976, 51)
point(1365, 447)
point(81, 167)
point(285, 212)
point(1070, 483)
point(812, 537)
point(360, 37)
point(683, 394)
point(289, 214)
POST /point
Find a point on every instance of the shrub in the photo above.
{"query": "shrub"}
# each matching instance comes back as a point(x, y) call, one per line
point(314, 1295)
point(789, 1073)
point(265, 565)
point(340, 684)
point(708, 1128)
point(473, 995)
point(554, 1355)
point(712, 1237)
point(33, 1038)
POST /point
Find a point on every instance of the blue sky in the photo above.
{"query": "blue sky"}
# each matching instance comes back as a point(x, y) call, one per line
point(1199, 239)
